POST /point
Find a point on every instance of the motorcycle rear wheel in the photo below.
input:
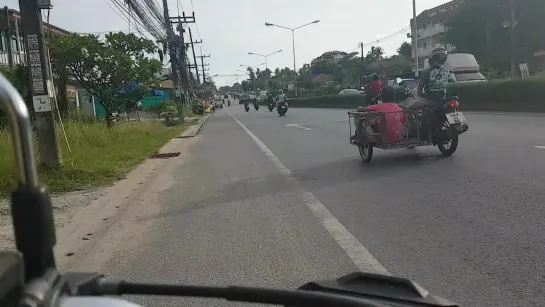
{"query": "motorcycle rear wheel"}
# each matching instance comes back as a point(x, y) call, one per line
point(448, 150)
point(366, 152)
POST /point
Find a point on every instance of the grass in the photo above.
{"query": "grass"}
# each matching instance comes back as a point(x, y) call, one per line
point(100, 155)
point(170, 107)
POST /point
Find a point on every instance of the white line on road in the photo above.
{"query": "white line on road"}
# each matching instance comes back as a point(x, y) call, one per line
point(540, 147)
point(298, 126)
point(360, 255)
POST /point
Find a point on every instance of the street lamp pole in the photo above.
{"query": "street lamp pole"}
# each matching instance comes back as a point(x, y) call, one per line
point(248, 66)
point(266, 56)
point(268, 24)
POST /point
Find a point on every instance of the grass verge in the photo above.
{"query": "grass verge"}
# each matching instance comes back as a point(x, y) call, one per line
point(100, 155)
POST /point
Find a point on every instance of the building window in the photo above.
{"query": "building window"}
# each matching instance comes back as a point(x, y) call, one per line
point(3, 42)
point(14, 45)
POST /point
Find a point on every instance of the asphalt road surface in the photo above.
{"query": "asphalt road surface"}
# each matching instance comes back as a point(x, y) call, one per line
point(278, 201)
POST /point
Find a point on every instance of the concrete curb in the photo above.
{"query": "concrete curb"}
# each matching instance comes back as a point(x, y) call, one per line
point(194, 129)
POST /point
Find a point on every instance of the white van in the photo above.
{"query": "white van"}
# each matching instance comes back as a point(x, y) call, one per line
point(262, 96)
point(463, 68)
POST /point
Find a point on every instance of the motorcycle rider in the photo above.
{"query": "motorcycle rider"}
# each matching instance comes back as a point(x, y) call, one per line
point(281, 97)
point(374, 87)
point(432, 88)
point(434, 80)
point(225, 97)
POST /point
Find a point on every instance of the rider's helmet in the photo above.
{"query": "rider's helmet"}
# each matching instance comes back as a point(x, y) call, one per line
point(438, 57)
point(280, 91)
point(375, 77)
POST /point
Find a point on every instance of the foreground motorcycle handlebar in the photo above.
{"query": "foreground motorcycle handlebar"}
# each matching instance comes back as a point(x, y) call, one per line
point(30, 278)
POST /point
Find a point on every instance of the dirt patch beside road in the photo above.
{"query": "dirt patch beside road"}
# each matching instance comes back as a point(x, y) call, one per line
point(84, 218)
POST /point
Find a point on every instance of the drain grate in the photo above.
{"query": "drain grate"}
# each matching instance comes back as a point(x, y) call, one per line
point(165, 155)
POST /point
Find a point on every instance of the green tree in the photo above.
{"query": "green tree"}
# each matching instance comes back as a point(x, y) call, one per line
point(405, 50)
point(19, 78)
point(375, 54)
point(245, 85)
point(481, 27)
point(106, 67)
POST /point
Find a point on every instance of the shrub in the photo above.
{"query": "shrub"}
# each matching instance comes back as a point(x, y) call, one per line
point(523, 95)
point(527, 95)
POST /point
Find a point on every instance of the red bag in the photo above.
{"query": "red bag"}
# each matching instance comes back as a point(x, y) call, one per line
point(395, 121)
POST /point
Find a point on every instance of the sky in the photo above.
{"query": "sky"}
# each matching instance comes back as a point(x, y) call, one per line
point(231, 29)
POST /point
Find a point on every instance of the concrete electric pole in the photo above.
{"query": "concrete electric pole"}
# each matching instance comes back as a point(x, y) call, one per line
point(170, 41)
point(415, 40)
point(192, 43)
point(41, 82)
point(202, 64)
point(512, 24)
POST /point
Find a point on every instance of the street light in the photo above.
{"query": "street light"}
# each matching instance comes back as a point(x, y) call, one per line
point(266, 63)
point(248, 66)
point(268, 24)
point(244, 72)
point(265, 56)
point(252, 66)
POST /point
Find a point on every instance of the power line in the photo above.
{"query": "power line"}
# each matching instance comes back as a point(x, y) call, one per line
point(125, 12)
point(386, 38)
point(179, 4)
point(148, 14)
point(115, 11)
point(115, 31)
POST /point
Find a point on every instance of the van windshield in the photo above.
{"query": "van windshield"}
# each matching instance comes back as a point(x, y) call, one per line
point(469, 76)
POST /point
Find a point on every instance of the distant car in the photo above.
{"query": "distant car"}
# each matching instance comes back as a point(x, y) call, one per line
point(412, 85)
point(404, 88)
point(349, 92)
point(262, 96)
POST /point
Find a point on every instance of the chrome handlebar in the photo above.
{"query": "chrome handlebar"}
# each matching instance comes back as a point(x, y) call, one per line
point(21, 133)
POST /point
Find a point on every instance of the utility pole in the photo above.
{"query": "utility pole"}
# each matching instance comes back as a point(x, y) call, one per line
point(41, 82)
point(173, 61)
point(193, 49)
point(202, 64)
point(415, 40)
point(182, 58)
point(181, 20)
point(488, 49)
point(513, 41)
point(361, 59)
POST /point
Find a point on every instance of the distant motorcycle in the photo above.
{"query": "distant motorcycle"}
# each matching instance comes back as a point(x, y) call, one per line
point(271, 106)
point(246, 106)
point(228, 103)
point(256, 105)
point(221, 106)
point(282, 108)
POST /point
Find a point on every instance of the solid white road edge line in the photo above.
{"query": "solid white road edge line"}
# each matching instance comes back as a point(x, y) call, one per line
point(540, 147)
point(359, 255)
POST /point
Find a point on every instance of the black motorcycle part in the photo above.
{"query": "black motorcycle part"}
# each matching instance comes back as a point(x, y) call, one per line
point(11, 278)
point(380, 287)
point(34, 229)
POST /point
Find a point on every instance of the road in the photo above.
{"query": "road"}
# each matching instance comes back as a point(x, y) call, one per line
point(277, 201)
